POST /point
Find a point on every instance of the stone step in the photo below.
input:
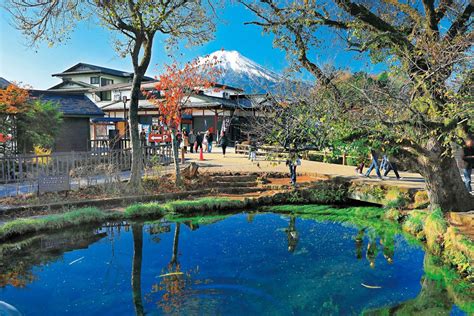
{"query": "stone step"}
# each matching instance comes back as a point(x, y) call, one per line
point(234, 184)
point(236, 178)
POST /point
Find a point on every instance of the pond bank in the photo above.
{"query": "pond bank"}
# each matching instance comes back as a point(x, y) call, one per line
point(431, 228)
point(229, 183)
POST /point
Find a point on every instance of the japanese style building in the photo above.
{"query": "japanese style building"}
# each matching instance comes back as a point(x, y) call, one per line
point(218, 108)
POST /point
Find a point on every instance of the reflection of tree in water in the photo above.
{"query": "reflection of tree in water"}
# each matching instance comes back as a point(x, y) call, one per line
point(387, 243)
point(18, 259)
point(173, 281)
point(137, 231)
point(372, 250)
point(440, 289)
point(359, 241)
point(292, 234)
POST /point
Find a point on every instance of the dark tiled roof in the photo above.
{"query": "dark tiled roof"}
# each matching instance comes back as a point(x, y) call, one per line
point(97, 69)
point(4, 83)
point(69, 104)
point(211, 102)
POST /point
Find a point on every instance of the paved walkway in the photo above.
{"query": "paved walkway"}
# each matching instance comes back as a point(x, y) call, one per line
point(215, 162)
point(232, 162)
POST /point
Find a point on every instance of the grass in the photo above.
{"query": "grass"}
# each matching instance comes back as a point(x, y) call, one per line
point(182, 206)
point(81, 216)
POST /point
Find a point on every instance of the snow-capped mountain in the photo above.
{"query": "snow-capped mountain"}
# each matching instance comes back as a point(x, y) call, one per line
point(240, 72)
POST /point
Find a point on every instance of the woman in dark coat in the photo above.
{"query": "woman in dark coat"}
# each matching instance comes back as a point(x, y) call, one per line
point(224, 142)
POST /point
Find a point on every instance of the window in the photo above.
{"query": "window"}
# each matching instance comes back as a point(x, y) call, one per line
point(105, 82)
point(94, 80)
point(105, 95)
point(225, 95)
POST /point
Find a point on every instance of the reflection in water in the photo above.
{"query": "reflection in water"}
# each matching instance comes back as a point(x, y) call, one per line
point(137, 231)
point(234, 268)
point(359, 241)
point(18, 259)
point(435, 298)
point(372, 249)
point(292, 234)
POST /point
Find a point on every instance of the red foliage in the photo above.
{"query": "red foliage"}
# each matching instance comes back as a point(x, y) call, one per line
point(177, 85)
point(13, 99)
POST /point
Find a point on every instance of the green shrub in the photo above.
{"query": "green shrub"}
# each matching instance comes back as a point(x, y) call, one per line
point(399, 203)
point(393, 214)
point(414, 224)
point(434, 229)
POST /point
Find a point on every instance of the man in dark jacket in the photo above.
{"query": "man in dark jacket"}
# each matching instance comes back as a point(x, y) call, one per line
point(224, 141)
point(468, 157)
point(199, 139)
point(210, 139)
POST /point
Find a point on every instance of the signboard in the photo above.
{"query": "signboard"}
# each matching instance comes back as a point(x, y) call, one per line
point(159, 138)
point(53, 183)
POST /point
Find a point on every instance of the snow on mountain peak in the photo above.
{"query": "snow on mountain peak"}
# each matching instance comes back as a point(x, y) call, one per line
point(239, 71)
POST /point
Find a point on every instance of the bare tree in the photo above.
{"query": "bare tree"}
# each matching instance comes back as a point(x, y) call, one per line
point(135, 21)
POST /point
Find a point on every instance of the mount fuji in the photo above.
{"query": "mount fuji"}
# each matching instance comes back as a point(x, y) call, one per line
point(240, 72)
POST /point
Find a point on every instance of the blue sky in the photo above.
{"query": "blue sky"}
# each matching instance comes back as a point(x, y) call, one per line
point(92, 44)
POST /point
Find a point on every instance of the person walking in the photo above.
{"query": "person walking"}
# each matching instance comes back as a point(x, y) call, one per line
point(204, 141)
point(374, 165)
point(143, 137)
point(468, 157)
point(388, 166)
point(199, 140)
point(253, 150)
point(292, 162)
point(224, 141)
point(191, 140)
point(210, 139)
point(185, 141)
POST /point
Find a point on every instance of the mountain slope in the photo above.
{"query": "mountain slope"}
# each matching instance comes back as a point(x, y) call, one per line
point(240, 72)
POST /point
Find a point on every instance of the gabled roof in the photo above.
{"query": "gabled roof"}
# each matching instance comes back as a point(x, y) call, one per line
point(4, 83)
point(85, 86)
point(83, 68)
point(69, 104)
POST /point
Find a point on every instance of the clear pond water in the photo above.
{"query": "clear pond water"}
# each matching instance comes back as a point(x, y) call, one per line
point(243, 264)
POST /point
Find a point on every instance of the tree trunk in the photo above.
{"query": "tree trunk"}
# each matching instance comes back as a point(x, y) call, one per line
point(444, 184)
point(174, 146)
point(137, 159)
point(174, 257)
point(137, 231)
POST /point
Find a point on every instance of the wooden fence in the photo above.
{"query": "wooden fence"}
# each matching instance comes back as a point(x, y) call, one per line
point(20, 168)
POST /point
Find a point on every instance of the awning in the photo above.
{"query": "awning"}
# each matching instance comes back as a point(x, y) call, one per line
point(107, 120)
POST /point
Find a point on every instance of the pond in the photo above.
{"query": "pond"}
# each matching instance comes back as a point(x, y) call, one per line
point(240, 264)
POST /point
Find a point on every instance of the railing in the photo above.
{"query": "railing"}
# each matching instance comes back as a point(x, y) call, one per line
point(267, 150)
point(108, 144)
point(24, 168)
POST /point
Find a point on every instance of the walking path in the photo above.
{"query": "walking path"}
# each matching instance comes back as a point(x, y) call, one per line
point(234, 163)
point(215, 162)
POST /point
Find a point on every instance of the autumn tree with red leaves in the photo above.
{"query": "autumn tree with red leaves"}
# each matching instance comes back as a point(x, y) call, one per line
point(177, 86)
point(26, 122)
